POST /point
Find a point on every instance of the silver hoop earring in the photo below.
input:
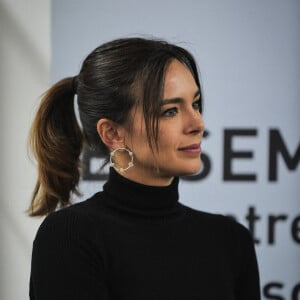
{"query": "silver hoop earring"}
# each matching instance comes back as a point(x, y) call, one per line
point(112, 164)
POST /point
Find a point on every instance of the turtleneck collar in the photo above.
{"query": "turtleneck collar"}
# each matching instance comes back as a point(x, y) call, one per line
point(134, 197)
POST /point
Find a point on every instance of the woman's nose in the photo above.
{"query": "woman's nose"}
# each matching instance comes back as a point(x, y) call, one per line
point(194, 123)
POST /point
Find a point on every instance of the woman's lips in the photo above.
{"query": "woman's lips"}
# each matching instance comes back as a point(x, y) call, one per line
point(194, 148)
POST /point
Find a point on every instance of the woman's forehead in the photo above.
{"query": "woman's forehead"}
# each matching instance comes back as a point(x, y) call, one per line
point(179, 81)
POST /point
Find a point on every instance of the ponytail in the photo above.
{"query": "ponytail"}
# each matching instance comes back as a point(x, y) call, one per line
point(56, 141)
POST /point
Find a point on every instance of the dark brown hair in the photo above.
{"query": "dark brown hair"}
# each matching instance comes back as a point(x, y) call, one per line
point(113, 79)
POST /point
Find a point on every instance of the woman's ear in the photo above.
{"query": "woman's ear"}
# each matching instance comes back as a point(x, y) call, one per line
point(110, 133)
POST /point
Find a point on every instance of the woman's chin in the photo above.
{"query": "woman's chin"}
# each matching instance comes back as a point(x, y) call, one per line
point(192, 170)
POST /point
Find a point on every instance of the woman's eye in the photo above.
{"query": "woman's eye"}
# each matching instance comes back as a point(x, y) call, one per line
point(197, 105)
point(171, 112)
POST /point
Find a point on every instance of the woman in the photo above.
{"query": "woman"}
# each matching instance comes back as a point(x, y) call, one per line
point(140, 105)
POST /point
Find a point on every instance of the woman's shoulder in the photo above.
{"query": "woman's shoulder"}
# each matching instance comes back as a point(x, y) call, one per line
point(218, 222)
point(225, 233)
point(71, 221)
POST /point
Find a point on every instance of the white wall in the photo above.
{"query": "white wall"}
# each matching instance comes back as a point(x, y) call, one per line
point(24, 75)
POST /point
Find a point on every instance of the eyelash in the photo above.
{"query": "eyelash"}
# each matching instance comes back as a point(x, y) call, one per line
point(198, 105)
point(171, 112)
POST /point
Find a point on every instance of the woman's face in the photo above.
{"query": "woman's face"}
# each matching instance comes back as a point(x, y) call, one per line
point(180, 132)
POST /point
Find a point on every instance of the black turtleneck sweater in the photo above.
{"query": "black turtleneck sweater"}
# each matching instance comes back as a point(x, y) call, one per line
point(137, 242)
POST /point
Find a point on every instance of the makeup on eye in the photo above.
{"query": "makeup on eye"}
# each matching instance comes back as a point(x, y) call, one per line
point(172, 111)
point(197, 104)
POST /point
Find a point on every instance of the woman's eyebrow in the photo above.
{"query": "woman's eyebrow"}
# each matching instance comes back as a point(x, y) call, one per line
point(172, 101)
point(197, 94)
point(177, 100)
